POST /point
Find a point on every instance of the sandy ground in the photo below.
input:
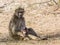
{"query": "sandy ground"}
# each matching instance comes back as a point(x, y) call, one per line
point(44, 19)
point(53, 41)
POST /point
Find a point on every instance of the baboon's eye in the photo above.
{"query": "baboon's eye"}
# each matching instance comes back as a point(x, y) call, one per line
point(20, 12)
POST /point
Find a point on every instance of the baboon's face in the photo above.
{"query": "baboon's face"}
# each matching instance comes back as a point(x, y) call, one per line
point(19, 12)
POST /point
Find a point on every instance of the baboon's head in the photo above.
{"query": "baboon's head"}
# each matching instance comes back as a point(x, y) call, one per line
point(19, 12)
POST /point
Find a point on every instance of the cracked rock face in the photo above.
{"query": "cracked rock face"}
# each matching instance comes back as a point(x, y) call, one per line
point(42, 16)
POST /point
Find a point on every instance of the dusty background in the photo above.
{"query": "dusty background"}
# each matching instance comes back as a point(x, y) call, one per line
point(41, 15)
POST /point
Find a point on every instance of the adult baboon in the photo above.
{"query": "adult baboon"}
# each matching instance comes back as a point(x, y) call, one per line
point(17, 23)
point(17, 27)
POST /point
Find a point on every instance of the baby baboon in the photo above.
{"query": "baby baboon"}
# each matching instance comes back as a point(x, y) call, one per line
point(23, 33)
point(17, 23)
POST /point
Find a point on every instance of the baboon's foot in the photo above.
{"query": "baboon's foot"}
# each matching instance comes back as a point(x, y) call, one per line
point(32, 37)
point(26, 38)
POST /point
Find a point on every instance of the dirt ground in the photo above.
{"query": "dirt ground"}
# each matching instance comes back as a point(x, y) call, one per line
point(41, 15)
point(52, 41)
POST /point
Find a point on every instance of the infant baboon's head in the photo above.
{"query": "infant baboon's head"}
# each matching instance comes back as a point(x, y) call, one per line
point(22, 33)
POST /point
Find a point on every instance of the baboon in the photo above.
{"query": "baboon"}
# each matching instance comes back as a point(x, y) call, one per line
point(17, 27)
point(17, 23)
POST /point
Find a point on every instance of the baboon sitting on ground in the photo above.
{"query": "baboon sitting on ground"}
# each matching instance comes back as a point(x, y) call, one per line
point(17, 24)
point(17, 27)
